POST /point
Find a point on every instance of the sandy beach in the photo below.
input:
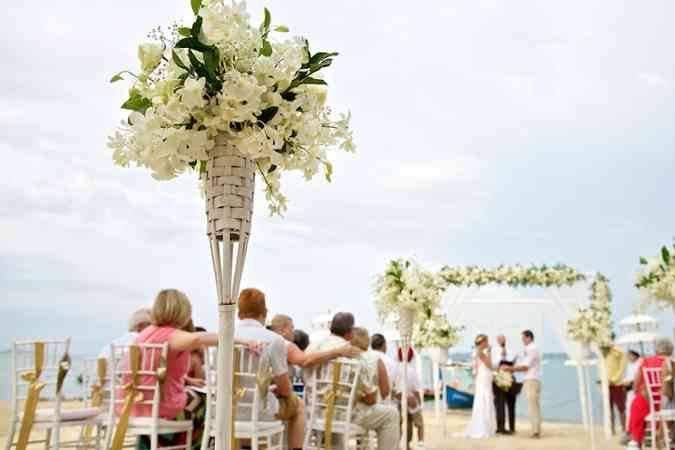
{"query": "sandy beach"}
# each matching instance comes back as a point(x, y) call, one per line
point(557, 436)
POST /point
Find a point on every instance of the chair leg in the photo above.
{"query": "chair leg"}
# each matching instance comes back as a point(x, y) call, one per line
point(154, 438)
point(57, 436)
point(48, 438)
point(188, 440)
point(10, 434)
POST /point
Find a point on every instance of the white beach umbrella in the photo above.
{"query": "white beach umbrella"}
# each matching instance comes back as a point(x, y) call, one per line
point(637, 337)
point(639, 322)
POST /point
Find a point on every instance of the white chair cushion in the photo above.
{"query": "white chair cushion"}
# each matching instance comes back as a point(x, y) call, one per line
point(244, 429)
point(165, 426)
point(339, 427)
point(49, 415)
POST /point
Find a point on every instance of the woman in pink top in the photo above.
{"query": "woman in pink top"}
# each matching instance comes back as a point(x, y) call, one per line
point(171, 312)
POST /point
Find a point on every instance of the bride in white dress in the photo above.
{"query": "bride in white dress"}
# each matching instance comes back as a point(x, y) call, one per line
point(483, 417)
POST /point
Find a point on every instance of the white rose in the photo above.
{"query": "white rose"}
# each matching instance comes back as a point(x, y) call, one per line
point(192, 94)
point(150, 56)
point(653, 264)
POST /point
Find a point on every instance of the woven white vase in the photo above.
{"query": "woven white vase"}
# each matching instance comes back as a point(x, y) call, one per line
point(583, 352)
point(406, 316)
point(230, 185)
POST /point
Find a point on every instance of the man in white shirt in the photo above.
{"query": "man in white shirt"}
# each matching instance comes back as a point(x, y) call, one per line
point(502, 357)
point(138, 322)
point(252, 315)
point(529, 363)
point(383, 419)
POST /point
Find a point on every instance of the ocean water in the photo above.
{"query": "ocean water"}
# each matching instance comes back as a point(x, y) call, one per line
point(559, 400)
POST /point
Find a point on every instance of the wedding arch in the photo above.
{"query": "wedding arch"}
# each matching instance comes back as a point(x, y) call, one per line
point(579, 320)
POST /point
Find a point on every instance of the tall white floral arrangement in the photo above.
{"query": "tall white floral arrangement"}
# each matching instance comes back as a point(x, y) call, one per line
point(223, 76)
point(405, 285)
point(656, 279)
point(594, 324)
point(434, 330)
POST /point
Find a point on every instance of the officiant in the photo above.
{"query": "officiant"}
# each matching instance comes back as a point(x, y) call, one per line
point(504, 399)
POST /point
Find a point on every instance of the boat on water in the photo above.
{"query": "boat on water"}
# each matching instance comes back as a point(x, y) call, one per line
point(458, 399)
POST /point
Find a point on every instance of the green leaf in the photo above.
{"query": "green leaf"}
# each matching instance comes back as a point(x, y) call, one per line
point(136, 102)
point(643, 260)
point(197, 27)
point(328, 170)
point(665, 254)
point(267, 21)
point(266, 49)
point(318, 57)
point(268, 114)
point(281, 29)
point(118, 76)
point(196, 6)
point(310, 80)
point(185, 31)
point(193, 43)
point(197, 65)
point(179, 62)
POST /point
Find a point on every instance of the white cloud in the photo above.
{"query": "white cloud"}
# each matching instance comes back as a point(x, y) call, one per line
point(654, 80)
point(423, 175)
point(57, 27)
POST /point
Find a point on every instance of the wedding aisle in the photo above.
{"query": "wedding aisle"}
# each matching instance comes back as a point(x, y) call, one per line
point(557, 436)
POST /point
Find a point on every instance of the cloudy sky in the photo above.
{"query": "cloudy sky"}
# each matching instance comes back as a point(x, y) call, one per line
point(488, 132)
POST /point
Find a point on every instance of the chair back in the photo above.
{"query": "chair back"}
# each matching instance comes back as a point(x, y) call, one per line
point(247, 372)
point(652, 377)
point(152, 366)
point(344, 374)
point(95, 377)
point(24, 363)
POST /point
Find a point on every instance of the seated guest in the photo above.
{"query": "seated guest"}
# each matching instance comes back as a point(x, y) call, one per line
point(170, 314)
point(196, 375)
point(377, 373)
point(640, 405)
point(301, 339)
point(283, 325)
point(138, 322)
point(381, 418)
point(379, 345)
point(252, 315)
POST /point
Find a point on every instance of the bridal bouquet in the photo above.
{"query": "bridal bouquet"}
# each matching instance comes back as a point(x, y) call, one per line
point(224, 76)
point(404, 284)
point(656, 280)
point(503, 380)
point(434, 330)
point(594, 324)
point(515, 276)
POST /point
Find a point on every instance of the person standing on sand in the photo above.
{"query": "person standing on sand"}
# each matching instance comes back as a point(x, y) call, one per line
point(504, 400)
point(529, 362)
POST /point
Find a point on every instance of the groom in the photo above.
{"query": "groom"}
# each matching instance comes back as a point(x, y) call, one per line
point(502, 357)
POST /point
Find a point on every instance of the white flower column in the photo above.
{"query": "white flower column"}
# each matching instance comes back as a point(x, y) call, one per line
point(229, 182)
point(439, 355)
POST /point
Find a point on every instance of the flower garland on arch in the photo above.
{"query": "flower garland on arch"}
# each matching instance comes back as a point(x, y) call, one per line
point(514, 276)
point(594, 324)
point(405, 284)
point(656, 280)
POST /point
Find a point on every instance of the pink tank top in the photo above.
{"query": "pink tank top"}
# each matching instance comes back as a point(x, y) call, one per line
point(174, 397)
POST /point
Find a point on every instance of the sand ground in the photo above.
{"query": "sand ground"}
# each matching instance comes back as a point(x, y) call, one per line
point(442, 435)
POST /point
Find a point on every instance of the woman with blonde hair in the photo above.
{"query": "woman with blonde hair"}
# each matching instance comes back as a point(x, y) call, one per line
point(483, 416)
point(171, 315)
